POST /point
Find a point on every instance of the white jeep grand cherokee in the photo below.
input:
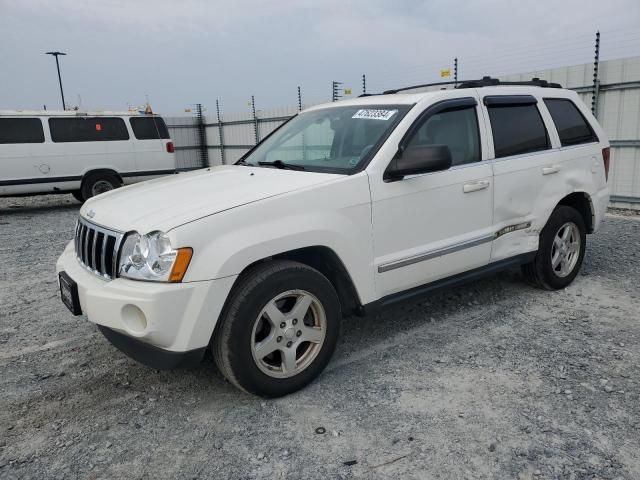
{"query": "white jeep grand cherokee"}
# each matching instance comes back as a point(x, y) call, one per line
point(346, 207)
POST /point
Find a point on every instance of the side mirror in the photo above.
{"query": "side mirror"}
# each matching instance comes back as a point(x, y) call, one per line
point(417, 159)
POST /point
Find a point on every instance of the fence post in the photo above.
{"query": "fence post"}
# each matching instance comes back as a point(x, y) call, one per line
point(336, 93)
point(299, 99)
point(255, 119)
point(364, 84)
point(455, 72)
point(596, 80)
point(202, 136)
point(220, 134)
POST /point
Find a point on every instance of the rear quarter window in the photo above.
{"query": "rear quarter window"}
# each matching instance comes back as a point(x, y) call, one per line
point(573, 128)
point(21, 130)
point(88, 129)
point(149, 128)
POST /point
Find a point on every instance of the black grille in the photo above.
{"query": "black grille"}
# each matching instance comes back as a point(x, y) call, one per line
point(97, 248)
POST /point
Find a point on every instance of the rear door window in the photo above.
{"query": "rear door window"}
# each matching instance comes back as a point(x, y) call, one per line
point(88, 129)
point(573, 128)
point(517, 129)
point(149, 128)
point(21, 130)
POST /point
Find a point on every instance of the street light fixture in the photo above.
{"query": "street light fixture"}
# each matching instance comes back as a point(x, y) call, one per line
point(56, 54)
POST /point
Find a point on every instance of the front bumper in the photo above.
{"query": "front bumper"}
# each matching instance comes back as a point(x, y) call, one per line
point(149, 355)
point(173, 317)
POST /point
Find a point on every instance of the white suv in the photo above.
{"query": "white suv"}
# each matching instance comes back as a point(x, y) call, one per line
point(345, 208)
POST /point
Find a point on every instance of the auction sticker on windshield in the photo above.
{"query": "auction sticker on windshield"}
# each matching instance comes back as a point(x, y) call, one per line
point(375, 114)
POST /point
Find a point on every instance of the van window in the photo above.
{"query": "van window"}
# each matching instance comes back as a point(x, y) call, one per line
point(88, 129)
point(457, 129)
point(149, 128)
point(572, 127)
point(21, 130)
point(517, 129)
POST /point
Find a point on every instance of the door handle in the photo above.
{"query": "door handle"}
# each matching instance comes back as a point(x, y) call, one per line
point(550, 169)
point(475, 186)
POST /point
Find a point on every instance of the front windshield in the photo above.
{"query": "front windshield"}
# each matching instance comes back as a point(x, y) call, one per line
point(334, 139)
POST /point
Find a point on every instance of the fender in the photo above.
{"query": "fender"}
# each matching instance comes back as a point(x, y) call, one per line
point(226, 243)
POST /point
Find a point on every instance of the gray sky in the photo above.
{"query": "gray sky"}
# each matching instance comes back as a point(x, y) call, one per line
point(182, 52)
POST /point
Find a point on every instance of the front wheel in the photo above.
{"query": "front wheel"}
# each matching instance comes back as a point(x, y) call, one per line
point(278, 329)
point(560, 251)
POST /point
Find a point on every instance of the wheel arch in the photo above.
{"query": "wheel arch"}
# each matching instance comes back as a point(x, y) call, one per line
point(327, 262)
point(101, 171)
point(581, 201)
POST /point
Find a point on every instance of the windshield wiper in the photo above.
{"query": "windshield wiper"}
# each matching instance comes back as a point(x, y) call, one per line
point(280, 164)
point(242, 162)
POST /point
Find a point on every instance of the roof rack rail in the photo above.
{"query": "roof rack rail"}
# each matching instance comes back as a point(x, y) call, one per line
point(488, 81)
point(436, 84)
point(483, 82)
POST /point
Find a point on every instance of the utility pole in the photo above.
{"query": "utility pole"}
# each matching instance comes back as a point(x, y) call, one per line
point(455, 72)
point(299, 99)
point(57, 54)
point(364, 84)
point(336, 91)
point(596, 81)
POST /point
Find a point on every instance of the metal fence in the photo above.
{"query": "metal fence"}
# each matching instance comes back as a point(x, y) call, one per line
point(207, 140)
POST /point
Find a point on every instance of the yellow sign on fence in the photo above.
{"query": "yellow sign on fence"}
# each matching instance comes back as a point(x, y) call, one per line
point(445, 73)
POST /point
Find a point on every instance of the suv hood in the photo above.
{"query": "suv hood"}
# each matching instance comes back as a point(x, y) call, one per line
point(165, 203)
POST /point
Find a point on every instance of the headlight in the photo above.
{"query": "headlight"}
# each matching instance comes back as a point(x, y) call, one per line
point(150, 257)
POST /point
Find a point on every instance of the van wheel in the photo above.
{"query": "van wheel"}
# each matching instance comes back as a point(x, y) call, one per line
point(98, 183)
point(278, 329)
point(560, 252)
point(77, 194)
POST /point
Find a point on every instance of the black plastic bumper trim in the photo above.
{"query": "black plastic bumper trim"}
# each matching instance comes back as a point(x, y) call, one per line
point(150, 355)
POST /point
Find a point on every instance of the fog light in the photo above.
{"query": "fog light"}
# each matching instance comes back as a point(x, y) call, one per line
point(134, 319)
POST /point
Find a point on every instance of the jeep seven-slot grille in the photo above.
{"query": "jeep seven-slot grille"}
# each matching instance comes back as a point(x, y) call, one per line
point(97, 248)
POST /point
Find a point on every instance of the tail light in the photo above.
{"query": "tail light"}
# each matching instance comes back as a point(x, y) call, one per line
point(606, 155)
point(171, 148)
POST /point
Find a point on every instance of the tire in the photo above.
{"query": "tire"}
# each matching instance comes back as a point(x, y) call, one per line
point(77, 194)
point(95, 184)
point(246, 330)
point(542, 272)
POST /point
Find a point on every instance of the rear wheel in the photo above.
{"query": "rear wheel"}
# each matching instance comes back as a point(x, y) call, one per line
point(95, 184)
point(278, 330)
point(560, 251)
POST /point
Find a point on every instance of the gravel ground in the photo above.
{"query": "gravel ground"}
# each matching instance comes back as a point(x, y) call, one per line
point(491, 380)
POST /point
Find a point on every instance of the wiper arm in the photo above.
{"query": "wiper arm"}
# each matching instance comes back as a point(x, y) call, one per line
point(282, 165)
point(242, 162)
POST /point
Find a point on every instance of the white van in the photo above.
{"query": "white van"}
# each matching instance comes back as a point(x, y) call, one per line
point(80, 153)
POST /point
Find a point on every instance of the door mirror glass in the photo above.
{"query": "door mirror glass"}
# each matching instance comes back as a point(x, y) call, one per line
point(417, 159)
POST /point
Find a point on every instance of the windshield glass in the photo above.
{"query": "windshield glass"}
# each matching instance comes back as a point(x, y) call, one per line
point(333, 140)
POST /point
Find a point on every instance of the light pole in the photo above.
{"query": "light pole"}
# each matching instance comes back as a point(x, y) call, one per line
point(56, 54)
